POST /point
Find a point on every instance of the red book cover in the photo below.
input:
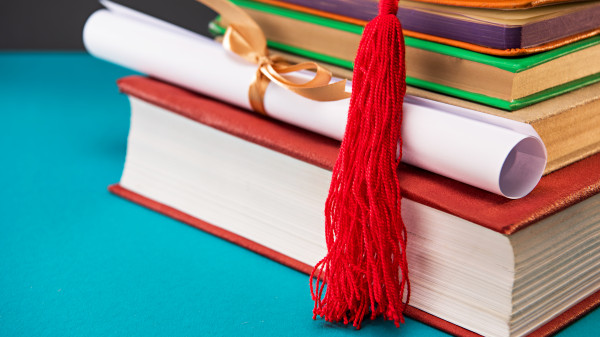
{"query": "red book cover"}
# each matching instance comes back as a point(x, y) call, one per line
point(555, 192)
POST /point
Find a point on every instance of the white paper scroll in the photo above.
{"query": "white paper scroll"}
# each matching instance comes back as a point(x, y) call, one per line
point(492, 153)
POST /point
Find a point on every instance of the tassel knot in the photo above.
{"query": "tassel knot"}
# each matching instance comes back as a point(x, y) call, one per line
point(388, 7)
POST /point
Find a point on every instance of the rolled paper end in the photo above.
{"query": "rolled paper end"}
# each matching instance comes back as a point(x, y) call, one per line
point(523, 168)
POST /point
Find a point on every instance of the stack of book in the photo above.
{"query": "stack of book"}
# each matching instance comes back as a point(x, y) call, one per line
point(480, 263)
point(508, 61)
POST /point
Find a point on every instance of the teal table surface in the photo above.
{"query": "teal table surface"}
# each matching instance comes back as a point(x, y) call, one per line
point(76, 260)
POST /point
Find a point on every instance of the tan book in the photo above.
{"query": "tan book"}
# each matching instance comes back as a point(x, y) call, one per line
point(569, 125)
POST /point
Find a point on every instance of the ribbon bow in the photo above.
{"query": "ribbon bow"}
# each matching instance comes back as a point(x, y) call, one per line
point(245, 38)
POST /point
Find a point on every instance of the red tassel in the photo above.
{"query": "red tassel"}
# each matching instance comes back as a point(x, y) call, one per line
point(365, 268)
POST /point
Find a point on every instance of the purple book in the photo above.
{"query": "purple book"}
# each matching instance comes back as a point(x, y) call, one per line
point(493, 28)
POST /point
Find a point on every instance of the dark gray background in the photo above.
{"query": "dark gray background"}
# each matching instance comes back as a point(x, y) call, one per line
point(57, 24)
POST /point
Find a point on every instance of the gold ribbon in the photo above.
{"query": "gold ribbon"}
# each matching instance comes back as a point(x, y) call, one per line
point(245, 38)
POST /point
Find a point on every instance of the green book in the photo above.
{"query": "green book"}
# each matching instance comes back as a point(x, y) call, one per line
point(503, 82)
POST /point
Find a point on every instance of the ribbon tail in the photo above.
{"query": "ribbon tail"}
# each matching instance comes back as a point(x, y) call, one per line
point(331, 92)
point(256, 92)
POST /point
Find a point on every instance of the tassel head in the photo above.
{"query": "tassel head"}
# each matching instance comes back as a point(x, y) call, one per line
point(365, 268)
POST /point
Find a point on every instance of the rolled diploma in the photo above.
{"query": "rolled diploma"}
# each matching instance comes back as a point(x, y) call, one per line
point(498, 155)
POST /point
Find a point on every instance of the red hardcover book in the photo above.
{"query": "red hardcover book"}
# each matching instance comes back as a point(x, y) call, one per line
point(477, 260)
